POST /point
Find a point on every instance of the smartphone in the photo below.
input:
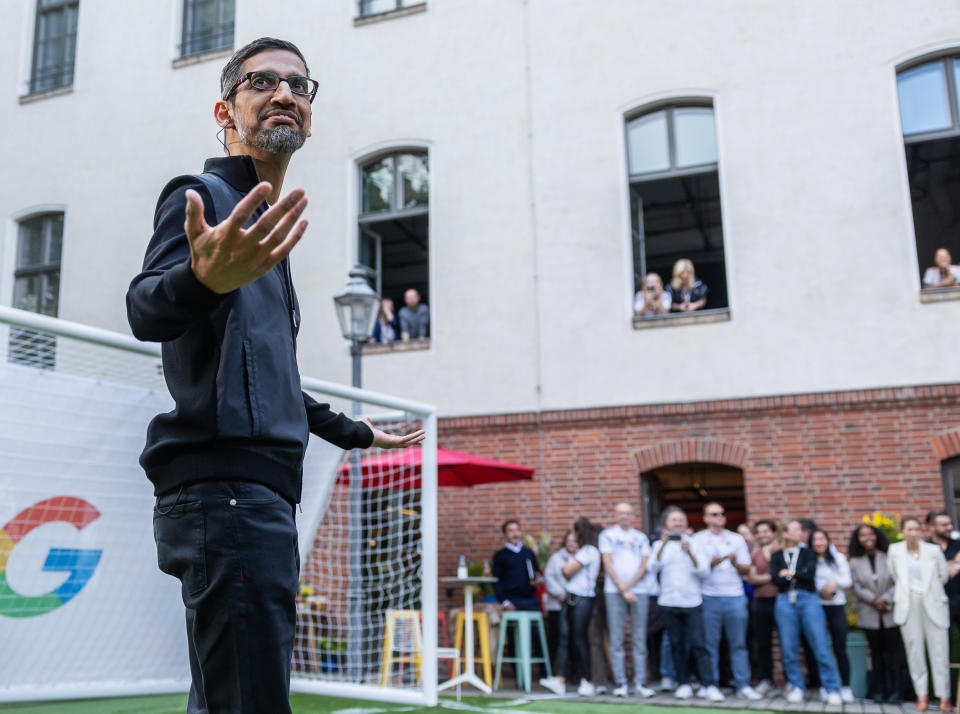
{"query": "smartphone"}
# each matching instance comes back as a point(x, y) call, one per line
point(675, 536)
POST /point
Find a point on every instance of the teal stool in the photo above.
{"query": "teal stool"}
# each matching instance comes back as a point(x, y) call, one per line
point(523, 660)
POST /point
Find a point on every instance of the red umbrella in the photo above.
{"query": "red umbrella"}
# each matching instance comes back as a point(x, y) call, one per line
point(394, 469)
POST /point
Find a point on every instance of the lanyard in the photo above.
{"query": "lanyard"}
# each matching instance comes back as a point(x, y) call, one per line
point(792, 559)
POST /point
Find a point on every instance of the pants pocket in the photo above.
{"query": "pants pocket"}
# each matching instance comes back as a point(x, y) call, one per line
point(180, 534)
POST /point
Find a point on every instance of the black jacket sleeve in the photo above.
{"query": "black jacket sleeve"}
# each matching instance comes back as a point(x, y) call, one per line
point(166, 298)
point(778, 563)
point(806, 575)
point(338, 429)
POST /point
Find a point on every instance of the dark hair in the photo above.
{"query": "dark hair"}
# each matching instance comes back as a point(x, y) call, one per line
point(807, 524)
point(668, 510)
point(503, 528)
point(907, 519)
point(933, 515)
point(769, 524)
point(712, 503)
point(855, 550)
point(586, 534)
point(231, 72)
point(828, 556)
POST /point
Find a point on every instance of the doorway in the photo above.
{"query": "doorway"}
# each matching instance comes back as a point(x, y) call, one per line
point(690, 486)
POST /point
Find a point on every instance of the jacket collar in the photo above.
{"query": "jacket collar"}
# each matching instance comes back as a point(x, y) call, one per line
point(238, 171)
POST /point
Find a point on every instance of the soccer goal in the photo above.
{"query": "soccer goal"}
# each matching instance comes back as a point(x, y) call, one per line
point(84, 610)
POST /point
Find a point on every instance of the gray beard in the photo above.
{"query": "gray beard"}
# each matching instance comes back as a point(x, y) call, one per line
point(282, 140)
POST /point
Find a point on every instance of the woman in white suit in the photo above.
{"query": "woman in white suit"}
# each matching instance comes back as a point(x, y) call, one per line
point(921, 610)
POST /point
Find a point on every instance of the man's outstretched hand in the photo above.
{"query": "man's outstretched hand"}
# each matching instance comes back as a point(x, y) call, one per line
point(383, 440)
point(227, 256)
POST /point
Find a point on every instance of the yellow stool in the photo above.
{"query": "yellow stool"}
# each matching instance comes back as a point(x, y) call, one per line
point(483, 626)
point(402, 643)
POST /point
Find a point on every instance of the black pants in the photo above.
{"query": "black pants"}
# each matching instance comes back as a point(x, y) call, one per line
point(233, 546)
point(762, 624)
point(837, 625)
point(687, 623)
point(886, 663)
point(574, 624)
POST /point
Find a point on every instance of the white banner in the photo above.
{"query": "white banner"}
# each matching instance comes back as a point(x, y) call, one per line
point(83, 605)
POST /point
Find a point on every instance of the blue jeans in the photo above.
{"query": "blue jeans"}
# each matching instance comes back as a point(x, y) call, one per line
point(233, 547)
point(807, 615)
point(729, 615)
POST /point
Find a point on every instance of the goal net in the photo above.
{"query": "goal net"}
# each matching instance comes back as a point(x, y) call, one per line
point(84, 610)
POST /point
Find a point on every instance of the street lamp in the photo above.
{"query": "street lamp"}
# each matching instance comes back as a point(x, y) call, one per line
point(357, 309)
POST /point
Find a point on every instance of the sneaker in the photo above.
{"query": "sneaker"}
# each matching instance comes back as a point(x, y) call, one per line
point(684, 691)
point(833, 699)
point(586, 689)
point(642, 691)
point(667, 684)
point(750, 693)
point(601, 688)
point(702, 692)
point(620, 691)
point(553, 684)
point(823, 695)
point(846, 694)
point(795, 695)
point(764, 688)
point(713, 694)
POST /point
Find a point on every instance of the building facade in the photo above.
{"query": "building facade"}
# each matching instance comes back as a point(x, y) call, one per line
point(524, 165)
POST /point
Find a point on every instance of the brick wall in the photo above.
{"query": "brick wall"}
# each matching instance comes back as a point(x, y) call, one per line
point(832, 457)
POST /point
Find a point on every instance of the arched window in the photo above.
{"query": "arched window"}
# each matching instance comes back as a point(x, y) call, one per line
point(393, 231)
point(675, 206)
point(930, 117)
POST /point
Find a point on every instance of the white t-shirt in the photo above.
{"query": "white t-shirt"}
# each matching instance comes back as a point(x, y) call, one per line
point(626, 548)
point(723, 580)
point(932, 275)
point(584, 582)
point(839, 573)
point(679, 579)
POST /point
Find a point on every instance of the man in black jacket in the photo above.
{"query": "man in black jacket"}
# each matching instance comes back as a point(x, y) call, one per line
point(517, 571)
point(227, 462)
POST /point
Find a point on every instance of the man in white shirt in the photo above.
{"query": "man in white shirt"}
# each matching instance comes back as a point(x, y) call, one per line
point(724, 601)
point(625, 551)
point(682, 567)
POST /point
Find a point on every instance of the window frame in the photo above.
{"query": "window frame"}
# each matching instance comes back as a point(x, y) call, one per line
point(39, 11)
point(187, 6)
point(400, 7)
point(950, 477)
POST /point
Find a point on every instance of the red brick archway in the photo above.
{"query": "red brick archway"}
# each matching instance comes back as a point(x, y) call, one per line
point(947, 445)
point(712, 451)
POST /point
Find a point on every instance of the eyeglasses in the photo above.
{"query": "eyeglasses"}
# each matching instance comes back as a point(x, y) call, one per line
point(717, 513)
point(269, 81)
point(650, 288)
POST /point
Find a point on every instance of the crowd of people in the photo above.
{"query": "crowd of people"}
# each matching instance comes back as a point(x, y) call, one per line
point(684, 292)
point(412, 322)
point(680, 595)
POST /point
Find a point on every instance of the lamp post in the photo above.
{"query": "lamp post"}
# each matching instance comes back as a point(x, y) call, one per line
point(357, 309)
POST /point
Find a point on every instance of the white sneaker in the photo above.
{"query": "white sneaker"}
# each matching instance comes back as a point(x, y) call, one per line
point(586, 689)
point(667, 684)
point(846, 694)
point(713, 694)
point(823, 695)
point(750, 693)
point(795, 695)
point(620, 691)
point(554, 685)
point(642, 691)
point(833, 699)
point(764, 688)
point(601, 688)
point(702, 692)
point(684, 691)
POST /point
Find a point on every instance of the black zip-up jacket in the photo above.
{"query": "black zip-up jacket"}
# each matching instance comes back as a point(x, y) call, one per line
point(805, 575)
point(229, 360)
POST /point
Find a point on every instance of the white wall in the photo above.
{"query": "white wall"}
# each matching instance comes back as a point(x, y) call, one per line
point(521, 106)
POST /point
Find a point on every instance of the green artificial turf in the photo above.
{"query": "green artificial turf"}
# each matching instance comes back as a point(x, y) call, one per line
point(309, 704)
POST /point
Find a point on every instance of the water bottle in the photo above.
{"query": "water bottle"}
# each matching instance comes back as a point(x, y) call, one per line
point(462, 567)
point(486, 568)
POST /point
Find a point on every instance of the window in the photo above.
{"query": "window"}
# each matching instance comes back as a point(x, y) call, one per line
point(394, 208)
point(54, 44)
point(950, 470)
point(376, 7)
point(207, 26)
point(930, 116)
point(36, 286)
point(675, 209)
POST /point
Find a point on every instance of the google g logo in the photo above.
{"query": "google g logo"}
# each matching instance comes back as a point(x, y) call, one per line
point(79, 563)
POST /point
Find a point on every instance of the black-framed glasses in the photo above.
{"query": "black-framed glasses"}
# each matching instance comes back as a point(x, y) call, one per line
point(269, 81)
point(717, 513)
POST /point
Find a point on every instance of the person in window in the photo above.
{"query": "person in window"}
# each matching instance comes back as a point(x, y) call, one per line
point(686, 292)
point(921, 610)
point(414, 317)
point(581, 573)
point(652, 299)
point(873, 586)
point(832, 579)
point(942, 274)
point(793, 570)
point(387, 328)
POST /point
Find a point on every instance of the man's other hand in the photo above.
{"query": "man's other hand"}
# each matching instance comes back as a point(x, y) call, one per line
point(228, 256)
point(383, 440)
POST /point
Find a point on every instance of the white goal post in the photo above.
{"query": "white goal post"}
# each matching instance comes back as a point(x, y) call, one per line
point(84, 610)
